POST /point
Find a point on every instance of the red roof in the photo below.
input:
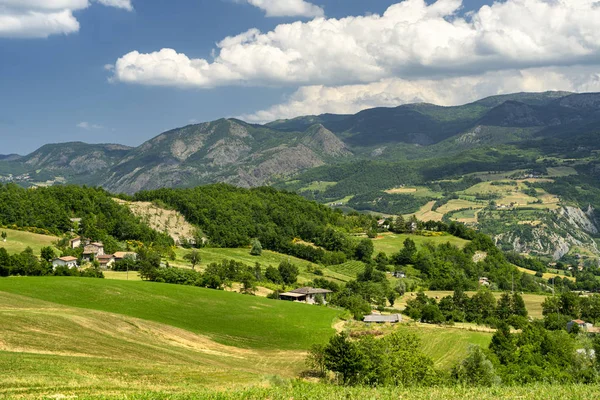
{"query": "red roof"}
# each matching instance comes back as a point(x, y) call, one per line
point(67, 259)
point(578, 321)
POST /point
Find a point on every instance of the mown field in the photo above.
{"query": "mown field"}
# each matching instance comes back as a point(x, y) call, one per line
point(17, 241)
point(391, 243)
point(266, 259)
point(104, 339)
point(533, 302)
point(227, 318)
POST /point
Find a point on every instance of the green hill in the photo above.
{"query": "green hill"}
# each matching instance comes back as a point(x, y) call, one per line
point(227, 318)
point(17, 241)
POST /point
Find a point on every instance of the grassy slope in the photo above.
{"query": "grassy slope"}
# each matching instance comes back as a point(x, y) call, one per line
point(18, 241)
point(227, 318)
point(392, 243)
point(533, 302)
point(268, 258)
point(50, 348)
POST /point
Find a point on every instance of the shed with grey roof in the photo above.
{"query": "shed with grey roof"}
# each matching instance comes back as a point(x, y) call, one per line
point(382, 319)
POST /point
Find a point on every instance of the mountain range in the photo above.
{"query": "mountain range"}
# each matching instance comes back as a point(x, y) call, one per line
point(233, 151)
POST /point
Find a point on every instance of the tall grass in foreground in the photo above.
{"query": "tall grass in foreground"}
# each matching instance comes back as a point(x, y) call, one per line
point(307, 391)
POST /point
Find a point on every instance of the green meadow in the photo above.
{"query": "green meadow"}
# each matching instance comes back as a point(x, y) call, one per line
point(391, 243)
point(17, 241)
point(227, 318)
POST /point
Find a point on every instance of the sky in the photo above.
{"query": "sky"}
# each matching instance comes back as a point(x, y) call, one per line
point(123, 71)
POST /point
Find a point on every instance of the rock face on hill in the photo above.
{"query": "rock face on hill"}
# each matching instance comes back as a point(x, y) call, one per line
point(226, 150)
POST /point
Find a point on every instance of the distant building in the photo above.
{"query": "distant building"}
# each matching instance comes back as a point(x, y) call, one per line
point(75, 242)
point(121, 255)
point(483, 281)
point(106, 261)
point(68, 261)
point(582, 325)
point(399, 274)
point(93, 250)
point(383, 319)
point(305, 295)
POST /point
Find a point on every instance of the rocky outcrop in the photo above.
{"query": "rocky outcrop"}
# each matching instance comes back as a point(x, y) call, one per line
point(324, 141)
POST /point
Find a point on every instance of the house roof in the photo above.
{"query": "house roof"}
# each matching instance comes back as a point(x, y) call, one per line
point(98, 244)
point(578, 321)
point(67, 259)
point(123, 254)
point(382, 318)
point(291, 294)
point(105, 257)
point(74, 239)
point(310, 290)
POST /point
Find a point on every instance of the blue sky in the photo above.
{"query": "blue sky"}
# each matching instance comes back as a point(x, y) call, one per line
point(60, 88)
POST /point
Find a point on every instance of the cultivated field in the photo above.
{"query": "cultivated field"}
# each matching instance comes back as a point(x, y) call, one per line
point(391, 243)
point(17, 241)
point(533, 302)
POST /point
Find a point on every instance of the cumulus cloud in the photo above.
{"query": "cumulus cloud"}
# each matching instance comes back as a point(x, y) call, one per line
point(43, 18)
point(411, 40)
point(349, 99)
point(288, 8)
point(88, 127)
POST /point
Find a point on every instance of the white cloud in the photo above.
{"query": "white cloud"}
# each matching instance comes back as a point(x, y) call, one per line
point(411, 40)
point(88, 127)
point(349, 99)
point(124, 4)
point(288, 8)
point(43, 18)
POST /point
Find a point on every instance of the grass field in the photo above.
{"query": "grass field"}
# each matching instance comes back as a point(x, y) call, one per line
point(533, 302)
point(445, 345)
point(419, 191)
point(266, 259)
point(226, 318)
point(547, 275)
point(122, 276)
point(391, 243)
point(53, 349)
point(17, 241)
point(318, 186)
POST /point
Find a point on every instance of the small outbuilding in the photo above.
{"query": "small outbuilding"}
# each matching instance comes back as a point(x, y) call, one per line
point(383, 319)
point(106, 261)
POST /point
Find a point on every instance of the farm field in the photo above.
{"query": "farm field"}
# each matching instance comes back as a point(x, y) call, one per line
point(266, 259)
point(53, 349)
point(533, 302)
point(547, 275)
point(391, 243)
point(418, 191)
point(318, 186)
point(226, 318)
point(122, 276)
point(17, 241)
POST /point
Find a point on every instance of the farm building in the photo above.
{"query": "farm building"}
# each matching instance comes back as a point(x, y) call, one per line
point(69, 261)
point(382, 319)
point(106, 261)
point(582, 325)
point(305, 295)
point(121, 255)
point(75, 242)
point(93, 250)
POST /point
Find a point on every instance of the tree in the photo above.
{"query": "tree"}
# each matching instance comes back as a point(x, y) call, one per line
point(194, 258)
point(289, 272)
point(4, 236)
point(364, 250)
point(476, 370)
point(407, 254)
point(344, 358)
point(273, 275)
point(47, 253)
point(518, 305)
point(382, 261)
point(399, 225)
point(503, 344)
point(256, 248)
point(504, 310)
